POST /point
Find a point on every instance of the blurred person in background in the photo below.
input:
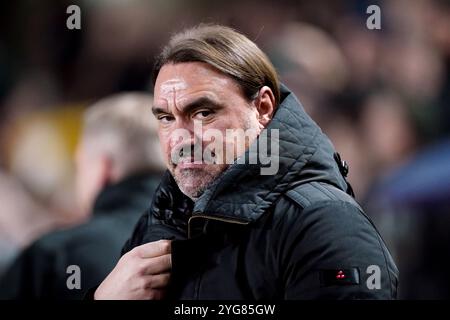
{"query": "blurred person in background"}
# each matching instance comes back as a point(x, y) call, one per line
point(22, 219)
point(118, 165)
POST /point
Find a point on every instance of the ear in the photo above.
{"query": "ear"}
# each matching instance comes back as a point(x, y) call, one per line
point(265, 105)
point(106, 171)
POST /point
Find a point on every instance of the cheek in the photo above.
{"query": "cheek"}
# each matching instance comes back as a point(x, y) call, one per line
point(164, 142)
point(235, 142)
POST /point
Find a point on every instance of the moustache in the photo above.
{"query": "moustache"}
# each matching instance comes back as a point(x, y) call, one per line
point(192, 153)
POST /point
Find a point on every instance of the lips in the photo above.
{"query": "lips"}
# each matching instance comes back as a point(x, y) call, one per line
point(191, 165)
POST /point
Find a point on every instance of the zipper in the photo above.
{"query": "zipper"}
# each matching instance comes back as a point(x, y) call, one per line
point(233, 221)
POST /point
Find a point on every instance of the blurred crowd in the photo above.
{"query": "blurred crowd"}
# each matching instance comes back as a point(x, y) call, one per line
point(383, 97)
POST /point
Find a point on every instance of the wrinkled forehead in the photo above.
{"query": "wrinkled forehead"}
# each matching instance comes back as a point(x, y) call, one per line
point(184, 78)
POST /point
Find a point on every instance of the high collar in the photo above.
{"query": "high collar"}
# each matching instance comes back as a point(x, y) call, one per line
point(241, 193)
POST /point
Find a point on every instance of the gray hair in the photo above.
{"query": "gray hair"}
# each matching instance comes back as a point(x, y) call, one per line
point(123, 126)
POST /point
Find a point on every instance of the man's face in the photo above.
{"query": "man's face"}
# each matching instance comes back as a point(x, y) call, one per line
point(194, 95)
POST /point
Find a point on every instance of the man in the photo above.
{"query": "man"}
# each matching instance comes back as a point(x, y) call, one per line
point(227, 231)
point(118, 168)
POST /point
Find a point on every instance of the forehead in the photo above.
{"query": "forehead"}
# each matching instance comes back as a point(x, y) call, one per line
point(183, 80)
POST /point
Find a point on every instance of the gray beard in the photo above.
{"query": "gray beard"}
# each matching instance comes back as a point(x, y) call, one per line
point(195, 193)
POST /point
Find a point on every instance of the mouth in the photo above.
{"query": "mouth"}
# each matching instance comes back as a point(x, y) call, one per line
point(190, 165)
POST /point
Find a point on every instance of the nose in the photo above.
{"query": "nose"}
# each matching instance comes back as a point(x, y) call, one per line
point(183, 133)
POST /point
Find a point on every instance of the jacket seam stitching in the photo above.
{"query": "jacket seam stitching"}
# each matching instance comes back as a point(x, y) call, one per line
point(303, 202)
point(324, 191)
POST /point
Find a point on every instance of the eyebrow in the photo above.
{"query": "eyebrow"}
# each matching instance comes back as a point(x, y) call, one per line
point(192, 106)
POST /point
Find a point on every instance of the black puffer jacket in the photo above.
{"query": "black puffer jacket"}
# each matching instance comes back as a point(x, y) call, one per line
point(293, 235)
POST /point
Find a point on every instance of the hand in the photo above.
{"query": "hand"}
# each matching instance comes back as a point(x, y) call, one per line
point(142, 273)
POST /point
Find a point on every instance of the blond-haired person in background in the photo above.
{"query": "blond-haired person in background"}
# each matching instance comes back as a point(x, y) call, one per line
point(118, 166)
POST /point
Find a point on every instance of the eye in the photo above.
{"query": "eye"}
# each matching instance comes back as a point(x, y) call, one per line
point(165, 119)
point(203, 114)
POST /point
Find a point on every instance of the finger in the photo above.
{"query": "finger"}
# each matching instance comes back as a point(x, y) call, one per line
point(156, 294)
point(158, 265)
point(154, 249)
point(158, 281)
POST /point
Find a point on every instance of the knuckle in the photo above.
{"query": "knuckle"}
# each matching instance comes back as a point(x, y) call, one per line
point(138, 285)
point(145, 284)
point(122, 263)
point(126, 256)
point(164, 246)
point(165, 279)
point(135, 252)
point(168, 260)
point(141, 268)
point(150, 281)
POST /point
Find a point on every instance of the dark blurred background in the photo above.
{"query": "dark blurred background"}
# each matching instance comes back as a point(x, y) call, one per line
point(383, 97)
